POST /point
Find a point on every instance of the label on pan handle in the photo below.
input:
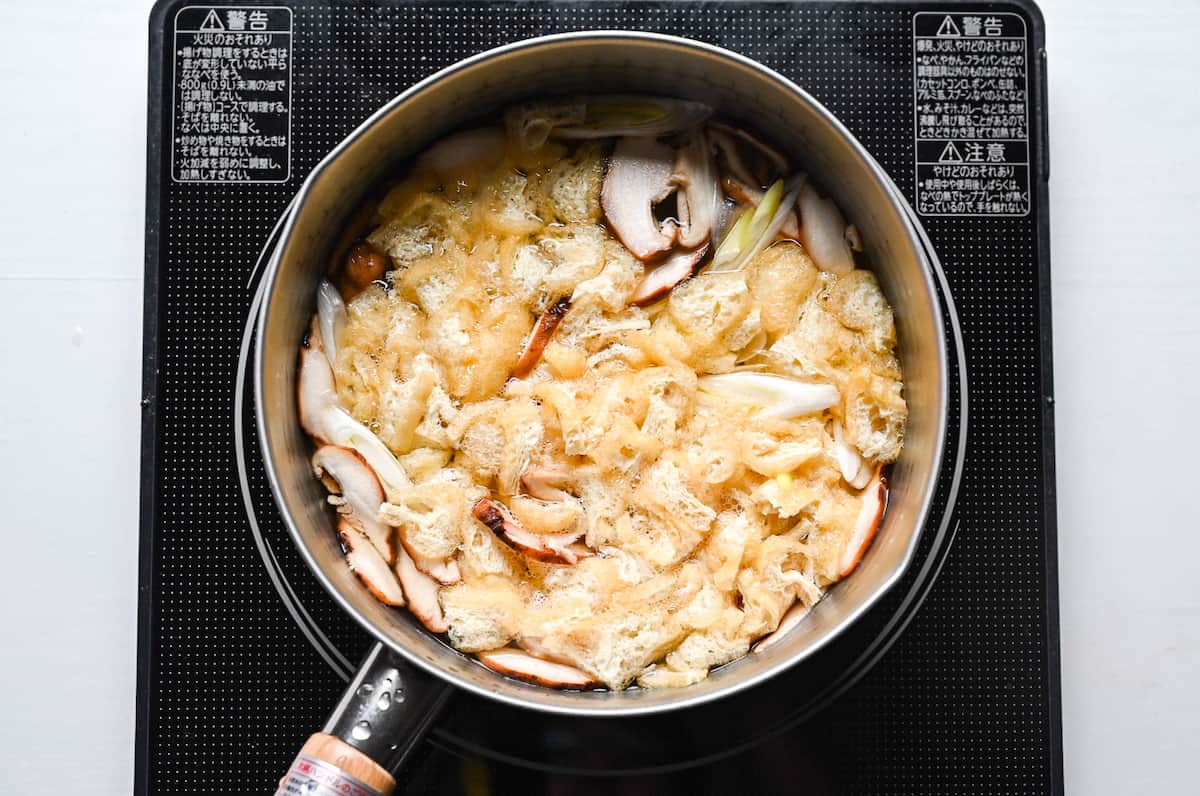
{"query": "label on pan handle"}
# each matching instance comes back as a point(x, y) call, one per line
point(311, 776)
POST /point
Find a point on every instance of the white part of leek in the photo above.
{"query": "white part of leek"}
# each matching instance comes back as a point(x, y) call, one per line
point(322, 416)
point(342, 429)
point(823, 233)
point(331, 318)
point(850, 461)
point(459, 156)
point(794, 616)
point(777, 396)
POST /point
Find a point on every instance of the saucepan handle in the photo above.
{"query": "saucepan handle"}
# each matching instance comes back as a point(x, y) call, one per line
point(382, 716)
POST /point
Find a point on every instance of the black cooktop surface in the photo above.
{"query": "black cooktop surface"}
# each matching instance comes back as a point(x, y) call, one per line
point(949, 685)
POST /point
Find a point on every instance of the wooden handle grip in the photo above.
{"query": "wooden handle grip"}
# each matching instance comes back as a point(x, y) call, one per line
point(337, 768)
point(383, 714)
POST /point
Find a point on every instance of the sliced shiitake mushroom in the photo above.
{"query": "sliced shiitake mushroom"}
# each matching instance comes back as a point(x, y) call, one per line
point(874, 499)
point(540, 337)
point(370, 567)
point(421, 591)
point(444, 571)
point(361, 494)
point(698, 200)
point(742, 193)
point(660, 280)
point(747, 157)
point(639, 177)
point(547, 484)
point(551, 548)
point(515, 663)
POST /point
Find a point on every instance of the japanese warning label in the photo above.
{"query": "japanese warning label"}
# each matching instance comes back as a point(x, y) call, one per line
point(971, 94)
point(232, 104)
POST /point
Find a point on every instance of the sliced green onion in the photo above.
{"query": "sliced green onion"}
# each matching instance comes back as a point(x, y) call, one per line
point(776, 396)
point(622, 115)
point(731, 244)
point(608, 113)
point(749, 227)
point(760, 226)
point(764, 212)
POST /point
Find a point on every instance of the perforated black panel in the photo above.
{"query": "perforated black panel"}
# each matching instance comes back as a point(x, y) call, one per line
point(234, 677)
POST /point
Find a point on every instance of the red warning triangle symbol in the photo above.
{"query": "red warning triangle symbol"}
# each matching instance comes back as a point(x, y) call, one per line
point(948, 28)
point(213, 22)
point(950, 154)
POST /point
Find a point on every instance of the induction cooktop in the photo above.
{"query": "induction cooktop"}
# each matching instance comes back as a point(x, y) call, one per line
point(949, 685)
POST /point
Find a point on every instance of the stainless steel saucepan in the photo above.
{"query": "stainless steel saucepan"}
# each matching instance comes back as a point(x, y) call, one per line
point(410, 661)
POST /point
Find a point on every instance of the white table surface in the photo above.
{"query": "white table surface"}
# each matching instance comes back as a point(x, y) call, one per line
point(1125, 208)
